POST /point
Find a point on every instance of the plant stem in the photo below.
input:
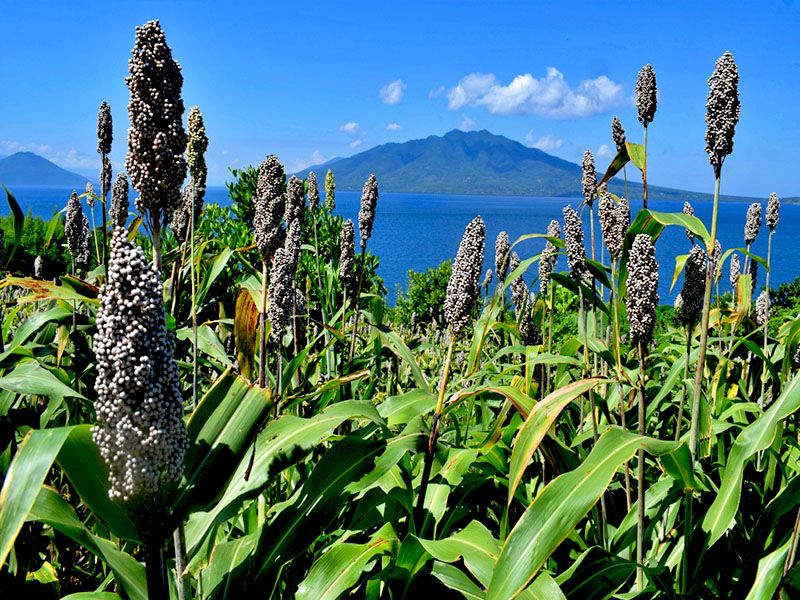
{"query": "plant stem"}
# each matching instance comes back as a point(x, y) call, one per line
point(179, 540)
point(419, 512)
point(618, 356)
point(640, 491)
point(701, 355)
point(644, 171)
point(766, 322)
point(156, 572)
point(322, 303)
point(357, 303)
point(687, 535)
point(193, 275)
point(262, 337)
point(94, 235)
point(156, 233)
point(683, 387)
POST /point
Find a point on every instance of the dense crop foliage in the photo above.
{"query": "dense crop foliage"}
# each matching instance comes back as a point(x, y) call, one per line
point(477, 440)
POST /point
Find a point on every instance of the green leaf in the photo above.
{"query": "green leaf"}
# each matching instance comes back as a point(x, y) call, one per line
point(637, 154)
point(393, 341)
point(19, 217)
point(207, 342)
point(537, 424)
point(769, 574)
point(51, 229)
point(620, 160)
point(81, 462)
point(50, 508)
point(32, 379)
point(25, 476)
point(755, 437)
point(475, 544)
point(92, 596)
point(218, 264)
point(221, 430)
point(401, 409)
point(559, 507)
point(678, 464)
point(457, 580)
point(340, 568)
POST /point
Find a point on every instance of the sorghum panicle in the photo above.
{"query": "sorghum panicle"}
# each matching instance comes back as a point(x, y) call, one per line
point(694, 285)
point(105, 177)
point(773, 211)
point(330, 191)
point(611, 224)
point(76, 231)
point(722, 110)
point(502, 247)
point(642, 294)
point(752, 223)
point(646, 96)
point(196, 155)
point(313, 191)
point(617, 133)
point(140, 431)
point(366, 214)
point(156, 139)
point(269, 207)
point(38, 267)
point(547, 261)
point(762, 308)
point(347, 249)
point(573, 239)
point(588, 178)
point(105, 133)
point(295, 201)
point(519, 291)
point(735, 270)
point(462, 288)
point(281, 292)
point(753, 274)
point(119, 201)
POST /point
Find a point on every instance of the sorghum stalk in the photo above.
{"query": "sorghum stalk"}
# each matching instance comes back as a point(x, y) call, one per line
point(646, 100)
point(773, 209)
point(104, 140)
point(722, 114)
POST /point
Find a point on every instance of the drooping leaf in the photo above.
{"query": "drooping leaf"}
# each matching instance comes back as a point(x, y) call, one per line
point(30, 378)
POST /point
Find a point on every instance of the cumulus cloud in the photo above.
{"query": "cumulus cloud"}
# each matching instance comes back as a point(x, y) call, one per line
point(355, 144)
point(605, 151)
point(467, 124)
point(546, 143)
point(393, 127)
point(351, 127)
point(549, 96)
point(392, 92)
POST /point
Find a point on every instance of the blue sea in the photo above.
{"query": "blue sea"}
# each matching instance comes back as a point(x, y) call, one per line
point(418, 231)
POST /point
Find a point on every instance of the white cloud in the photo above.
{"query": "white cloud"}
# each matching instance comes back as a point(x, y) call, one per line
point(393, 127)
point(351, 127)
point(436, 92)
point(550, 96)
point(69, 159)
point(605, 151)
point(303, 163)
point(392, 92)
point(355, 144)
point(546, 143)
point(467, 124)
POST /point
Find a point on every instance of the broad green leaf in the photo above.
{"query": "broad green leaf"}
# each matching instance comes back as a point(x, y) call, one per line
point(678, 464)
point(30, 466)
point(595, 575)
point(207, 342)
point(226, 560)
point(559, 507)
point(218, 264)
point(32, 379)
point(636, 153)
point(339, 569)
point(42, 290)
point(81, 462)
point(475, 544)
point(19, 216)
point(536, 426)
point(401, 409)
point(544, 587)
point(620, 160)
point(755, 437)
point(34, 324)
point(50, 508)
point(92, 596)
point(221, 430)
point(769, 574)
point(457, 580)
point(393, 341)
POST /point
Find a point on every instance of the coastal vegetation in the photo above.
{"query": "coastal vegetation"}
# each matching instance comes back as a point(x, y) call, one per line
point(201, 401)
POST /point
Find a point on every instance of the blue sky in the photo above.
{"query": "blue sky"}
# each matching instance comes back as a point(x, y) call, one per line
point(311, 81)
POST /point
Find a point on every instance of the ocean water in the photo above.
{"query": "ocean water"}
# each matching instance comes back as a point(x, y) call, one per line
point(418, 231)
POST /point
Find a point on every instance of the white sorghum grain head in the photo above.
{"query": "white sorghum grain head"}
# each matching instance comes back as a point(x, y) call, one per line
point(502, 247)
point(269, 207)
point(295, 202)
point(519, 291)
point(38, 267)
point(612, 224)
point(547, 261)
point(196, 147)
point(76, 231)
point(642, 294)
point(688, 209)
point(573, 239)
point(752, 223)
point(330, 191)
point(105, 176)
point(617, 133)
point(462, 288)
point(105, 133)
point(588, 178)
point(119, 201)
point(735, 267)
point(646, 96)
point(722, 110)
point(140, 431)
point(313, 191)
point(762, 308)
point(694, 285)
point(773, 211)
point(347, 249)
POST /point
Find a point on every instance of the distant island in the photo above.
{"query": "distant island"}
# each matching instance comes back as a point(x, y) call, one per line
point(27, 168)
point(478, 163)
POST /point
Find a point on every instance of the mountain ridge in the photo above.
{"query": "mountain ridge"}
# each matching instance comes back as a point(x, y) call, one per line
point(477, 163)
point(27, 168)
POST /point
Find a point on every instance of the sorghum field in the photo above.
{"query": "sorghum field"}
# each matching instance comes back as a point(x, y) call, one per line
point(207, 402)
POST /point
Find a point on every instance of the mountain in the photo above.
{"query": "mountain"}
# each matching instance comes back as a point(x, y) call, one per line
point(474, 162)
point(27, 168)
